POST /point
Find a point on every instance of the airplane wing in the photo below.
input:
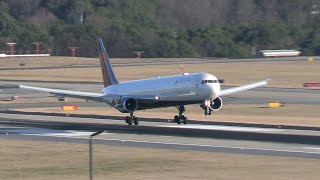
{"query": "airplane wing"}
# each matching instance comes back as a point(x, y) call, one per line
point(243, 88)
point(75, 94)
point(99, 97)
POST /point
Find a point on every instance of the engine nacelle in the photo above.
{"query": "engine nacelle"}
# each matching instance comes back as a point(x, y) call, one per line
point(216, 104)
point(127, 105)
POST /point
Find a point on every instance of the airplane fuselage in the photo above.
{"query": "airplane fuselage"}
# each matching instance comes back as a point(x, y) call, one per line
point(186, 87)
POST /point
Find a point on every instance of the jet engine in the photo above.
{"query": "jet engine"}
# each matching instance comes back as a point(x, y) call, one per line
point(216, 104)
point(127, 105)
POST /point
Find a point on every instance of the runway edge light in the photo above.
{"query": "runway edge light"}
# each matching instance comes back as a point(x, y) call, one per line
point(310, 59)
point(275, 104)
point(68, 107)
point(311, 85)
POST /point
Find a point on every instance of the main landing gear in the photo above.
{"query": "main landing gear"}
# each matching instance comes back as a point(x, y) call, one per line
point(180, 118)
point(132, 119)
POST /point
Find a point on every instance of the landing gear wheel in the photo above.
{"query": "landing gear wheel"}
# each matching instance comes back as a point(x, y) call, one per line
point(176, 117)
point(180, 118)
point(179, 121)
point(132, 119)
point(135, 120)
point(207, 111)
point(129, 120)
point(184, 120)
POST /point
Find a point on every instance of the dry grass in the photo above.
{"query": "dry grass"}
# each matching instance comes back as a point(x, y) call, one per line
point(283, 74)
point(52, 61)
point(35, 160)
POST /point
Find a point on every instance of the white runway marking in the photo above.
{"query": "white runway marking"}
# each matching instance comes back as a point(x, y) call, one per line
point(312, 148)
point(212, 146)
point(71, 134)
point(49, 132)
point(65, 134)
point(226, 128)
point(86, 134)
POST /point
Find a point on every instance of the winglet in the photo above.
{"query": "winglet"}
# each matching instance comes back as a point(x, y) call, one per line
point(109, 77)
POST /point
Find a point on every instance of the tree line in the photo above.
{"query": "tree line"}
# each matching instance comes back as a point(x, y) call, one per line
point(161, 28)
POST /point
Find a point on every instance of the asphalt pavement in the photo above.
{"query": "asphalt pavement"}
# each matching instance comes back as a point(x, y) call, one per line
point(165, 142)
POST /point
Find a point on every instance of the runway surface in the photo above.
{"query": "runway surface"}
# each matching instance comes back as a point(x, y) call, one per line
point(148, 122)
point(59, 129)
point(165, 142)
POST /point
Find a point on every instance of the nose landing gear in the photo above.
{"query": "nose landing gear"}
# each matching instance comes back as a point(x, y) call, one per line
point(207, 108)
point(207, 111)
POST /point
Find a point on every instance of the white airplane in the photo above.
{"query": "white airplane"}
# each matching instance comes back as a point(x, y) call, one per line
point(175, 91)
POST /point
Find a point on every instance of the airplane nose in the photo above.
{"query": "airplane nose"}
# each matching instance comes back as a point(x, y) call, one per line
point(214, 91)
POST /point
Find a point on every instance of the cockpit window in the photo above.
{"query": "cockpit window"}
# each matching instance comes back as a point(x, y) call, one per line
point(209, 81)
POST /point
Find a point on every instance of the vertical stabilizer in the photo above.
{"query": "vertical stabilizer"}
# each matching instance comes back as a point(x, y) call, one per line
point(109, 77)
